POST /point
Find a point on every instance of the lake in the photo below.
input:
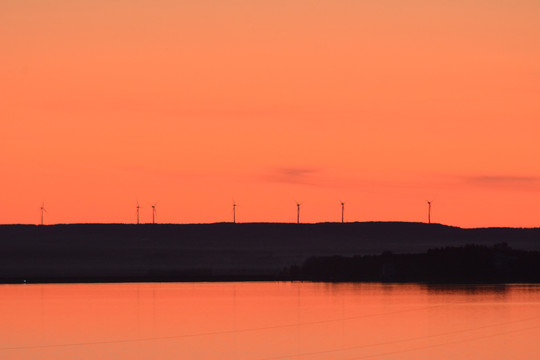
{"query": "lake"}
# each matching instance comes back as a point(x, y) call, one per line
point(269, 320)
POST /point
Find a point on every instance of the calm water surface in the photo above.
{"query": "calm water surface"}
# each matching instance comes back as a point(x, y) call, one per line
point(268, 321)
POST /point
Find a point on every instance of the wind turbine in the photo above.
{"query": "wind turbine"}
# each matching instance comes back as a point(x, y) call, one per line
point(298, 212)
point(154, 213)
point(429, 212)
point(342, 211)
point(234, 211)
point(42, 208)
point(138, 207)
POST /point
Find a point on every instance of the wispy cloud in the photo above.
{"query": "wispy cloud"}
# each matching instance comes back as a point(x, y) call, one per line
point(294, 175)
point(503, 181)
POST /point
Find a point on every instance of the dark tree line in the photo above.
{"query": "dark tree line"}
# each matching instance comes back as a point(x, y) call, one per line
point(467, 264)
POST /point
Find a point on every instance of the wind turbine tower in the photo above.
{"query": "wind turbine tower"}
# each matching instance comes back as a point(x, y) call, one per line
point(138, 207)
point(342, 211)
point(154, 213)
point(234, 212)
point(298, 213)
point(42, 208)
point(429, 212)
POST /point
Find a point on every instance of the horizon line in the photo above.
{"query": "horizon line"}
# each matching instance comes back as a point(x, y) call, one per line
point(274, 223)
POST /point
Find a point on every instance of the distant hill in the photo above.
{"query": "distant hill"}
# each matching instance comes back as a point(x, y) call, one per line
point(221, 251)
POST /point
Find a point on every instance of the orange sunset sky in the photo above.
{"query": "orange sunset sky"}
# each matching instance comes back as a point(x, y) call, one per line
point(382, 104)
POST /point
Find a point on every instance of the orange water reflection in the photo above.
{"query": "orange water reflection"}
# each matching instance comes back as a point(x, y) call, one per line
point(268, 321)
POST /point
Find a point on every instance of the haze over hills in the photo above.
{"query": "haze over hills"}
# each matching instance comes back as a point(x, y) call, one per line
point(219, 251)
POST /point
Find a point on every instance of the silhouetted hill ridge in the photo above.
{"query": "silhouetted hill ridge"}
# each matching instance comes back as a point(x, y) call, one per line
point(82, 252)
